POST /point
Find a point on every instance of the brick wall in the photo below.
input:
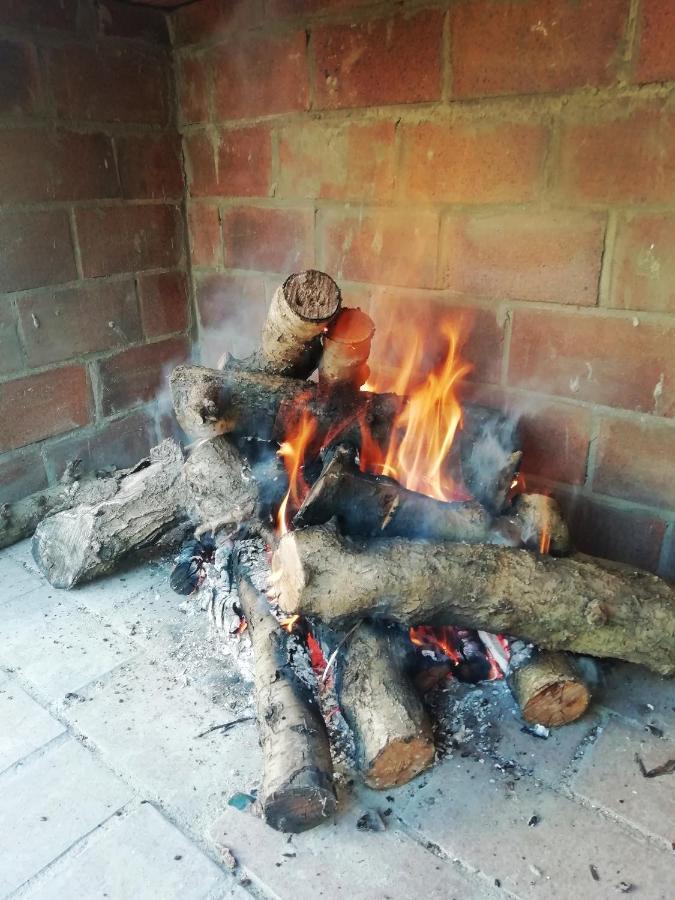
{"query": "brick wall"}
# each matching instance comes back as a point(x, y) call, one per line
point(510, 158)
point(93, 286)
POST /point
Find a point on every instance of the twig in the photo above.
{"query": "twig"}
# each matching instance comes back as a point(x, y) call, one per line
point(226, 726)
point(666, 768)
point(333, 656)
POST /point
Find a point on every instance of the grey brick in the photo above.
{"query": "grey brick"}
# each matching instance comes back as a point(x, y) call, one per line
point(25, 724)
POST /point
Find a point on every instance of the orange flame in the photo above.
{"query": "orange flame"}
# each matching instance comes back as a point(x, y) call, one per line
point(441, 637)
point(292, 451)
point(288, 623)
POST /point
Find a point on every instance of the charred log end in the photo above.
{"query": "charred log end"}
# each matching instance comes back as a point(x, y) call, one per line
point(399, 762)
point(300, 808)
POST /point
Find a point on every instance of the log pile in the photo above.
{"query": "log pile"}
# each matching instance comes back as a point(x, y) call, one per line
point(364, 556)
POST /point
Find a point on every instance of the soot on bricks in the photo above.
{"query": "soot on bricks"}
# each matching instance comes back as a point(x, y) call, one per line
point(375, 535)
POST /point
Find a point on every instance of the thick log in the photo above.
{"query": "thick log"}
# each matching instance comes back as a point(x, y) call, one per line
point(576, 603)
point(392, 730)
point(86, 541)
point(297, 790)
point(300, 311)
point(547, 687)
point(368, 505)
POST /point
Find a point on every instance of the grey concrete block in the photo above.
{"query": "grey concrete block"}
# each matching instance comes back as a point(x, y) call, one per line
point(639, 694)
point(609, 776)
point(25, 724)
point(138, 854)
point(48, 803)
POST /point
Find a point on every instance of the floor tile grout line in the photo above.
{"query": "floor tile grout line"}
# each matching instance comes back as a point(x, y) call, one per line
point(35, 754)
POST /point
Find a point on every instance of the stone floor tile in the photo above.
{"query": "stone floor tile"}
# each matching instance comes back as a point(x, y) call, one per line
point(145, 722)
point(57, 646)
point(25, 724)
point(610, 776)
point(15, 578)
point(534, 842)
point(338, 860)
point(48, 803)
point(138, 854)
point(639, 694)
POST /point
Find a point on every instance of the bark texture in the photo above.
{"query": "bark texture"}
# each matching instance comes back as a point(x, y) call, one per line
point(86, 541)
point(548, 689)
point(392, 730)
point(297, 791)
point(576, 603)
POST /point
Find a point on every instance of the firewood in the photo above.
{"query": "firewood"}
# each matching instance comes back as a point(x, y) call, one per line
point(86, 541)
point(540, 524)
point(346, 348)
point(547, 686)
point(392, 730)
point(297, 790)
point(299, 313)
point(575, 603)
point(368, 505)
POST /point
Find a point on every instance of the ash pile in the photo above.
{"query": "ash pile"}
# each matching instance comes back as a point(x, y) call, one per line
point(371, 542)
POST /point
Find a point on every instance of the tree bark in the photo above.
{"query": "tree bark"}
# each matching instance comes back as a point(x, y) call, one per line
point(576, 603)
point(391, 727)
point(86, 541)
point(297, 791)
point(299, 313)
point(548, 688)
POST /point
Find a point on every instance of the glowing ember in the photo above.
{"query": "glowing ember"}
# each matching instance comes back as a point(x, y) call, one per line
point(293, 453)
point(289, 623)
point(241, 628)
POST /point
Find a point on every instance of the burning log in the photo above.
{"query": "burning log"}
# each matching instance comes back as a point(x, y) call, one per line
point(297, 791)
point(346, 348)
point(490, 456)
point(540, 524)
point(391, 727)
point(547, 687)
point(86, 541)
point(299, 313)
point(367, 505)
point(576, 603)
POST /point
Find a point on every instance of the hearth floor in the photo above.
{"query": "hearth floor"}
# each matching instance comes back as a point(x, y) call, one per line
point(108, 791)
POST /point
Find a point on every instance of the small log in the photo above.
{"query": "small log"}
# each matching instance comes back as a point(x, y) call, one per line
point(297, 791)
point(300, 311)
point(575, 603)
point(368, 505)
point(346, 348)
point(86, 541)
point(540, 524)
point(547, 687)
point(392, 730)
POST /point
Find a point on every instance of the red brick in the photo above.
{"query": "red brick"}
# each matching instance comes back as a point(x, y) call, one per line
point(308, 7)
point(11, 358)
point(534, 46)
point(61, 325)
point(656, 49)
point(193, 89)
point(20, 475)
point(150, 167)
point(121, 20)
point(626, 536)
point(40, 406)
point(120, 443)
point(272, 240)
point(128, 238)
point(599, 359)
point(209, 20)
point(164, 303)
point(260, 76)
point(627, 156)
point(381, 246)
point(473, 162)
point(230, 163)
point(40, 165)
point(348, 162)
point(232, 311)
point(110, 84)
point(643, 267)
point(392, 60)
point(139, 374)
point(204, 227)
point(36, 249)
point(32, 14)
point(552, 256)
point(635, 461)
point(19, 79)
point(555, 442)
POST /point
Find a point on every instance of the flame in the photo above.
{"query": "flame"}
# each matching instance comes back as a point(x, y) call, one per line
point(424, 430)
point(288, 623)
point(292, 451)
point(545, 539)
point(440, 638)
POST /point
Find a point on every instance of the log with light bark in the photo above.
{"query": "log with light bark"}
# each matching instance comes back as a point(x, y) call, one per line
point(547, 686)
point(300, 311)
point(575, 603)
point(89, 540)
point(539, 522)
point(392, 731)
point(297, 790)
point(369, 505)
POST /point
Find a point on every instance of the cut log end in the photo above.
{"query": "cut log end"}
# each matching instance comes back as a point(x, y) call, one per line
point(399, 762)
point(549, 690)
point(298, 809)
point(313, 295)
